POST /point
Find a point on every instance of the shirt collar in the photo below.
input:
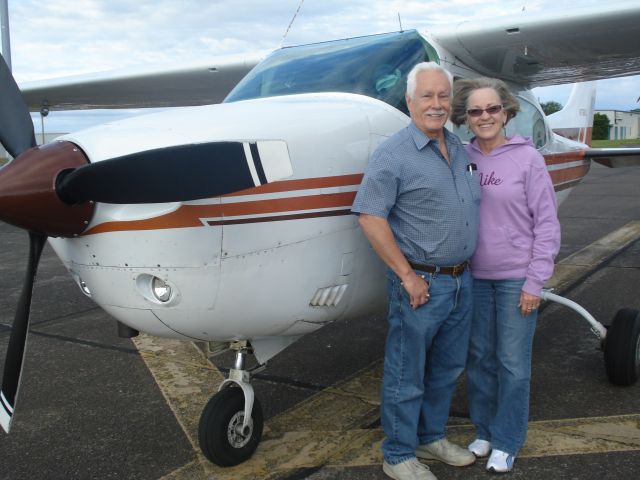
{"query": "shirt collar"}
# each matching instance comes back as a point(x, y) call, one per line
point(421, 140)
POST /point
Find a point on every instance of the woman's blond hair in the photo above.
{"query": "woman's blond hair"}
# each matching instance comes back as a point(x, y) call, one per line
point(463, 88)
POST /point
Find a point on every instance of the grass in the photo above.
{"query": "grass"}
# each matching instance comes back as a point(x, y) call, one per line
point(615, 143)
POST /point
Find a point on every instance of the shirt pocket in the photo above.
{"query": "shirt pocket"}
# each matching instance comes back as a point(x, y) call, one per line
point(473, 179)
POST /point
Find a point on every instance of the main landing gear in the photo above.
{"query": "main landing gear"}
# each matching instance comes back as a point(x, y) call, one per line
point(620, 341)
point(231, 423)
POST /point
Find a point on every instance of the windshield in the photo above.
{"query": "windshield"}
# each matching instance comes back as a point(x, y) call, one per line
point(376, 66)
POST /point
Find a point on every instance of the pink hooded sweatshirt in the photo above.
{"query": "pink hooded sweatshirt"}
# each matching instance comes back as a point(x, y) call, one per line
point(519, 234)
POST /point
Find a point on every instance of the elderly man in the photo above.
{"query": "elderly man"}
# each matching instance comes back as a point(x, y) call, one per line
point(418, 206)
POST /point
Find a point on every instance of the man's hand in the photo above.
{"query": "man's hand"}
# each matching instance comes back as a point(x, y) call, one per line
point(417, 288)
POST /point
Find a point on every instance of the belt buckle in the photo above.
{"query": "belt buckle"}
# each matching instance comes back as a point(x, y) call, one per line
point(458, 269)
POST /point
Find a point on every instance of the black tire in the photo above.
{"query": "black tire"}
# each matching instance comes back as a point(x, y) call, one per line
point(622, 348)
point(219, 440)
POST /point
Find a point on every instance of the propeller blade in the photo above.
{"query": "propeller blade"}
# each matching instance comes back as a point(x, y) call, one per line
point(16, 126)
point(18, 338)
point(178, 173)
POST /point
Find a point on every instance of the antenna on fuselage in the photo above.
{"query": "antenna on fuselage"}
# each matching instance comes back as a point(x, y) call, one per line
point(400, 22)
point(291, 23)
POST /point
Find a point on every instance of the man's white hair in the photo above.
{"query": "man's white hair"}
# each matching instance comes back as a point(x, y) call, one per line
point(426, 66)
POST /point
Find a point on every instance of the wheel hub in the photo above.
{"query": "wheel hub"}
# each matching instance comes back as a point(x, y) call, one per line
point(237, 438)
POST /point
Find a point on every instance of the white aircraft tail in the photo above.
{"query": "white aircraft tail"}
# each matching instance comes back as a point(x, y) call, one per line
point(575, 120)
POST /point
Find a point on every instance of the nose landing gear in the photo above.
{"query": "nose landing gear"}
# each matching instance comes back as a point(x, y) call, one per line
point(231, 423)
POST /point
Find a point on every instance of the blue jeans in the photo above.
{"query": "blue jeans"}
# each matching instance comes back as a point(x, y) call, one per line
point(425, 354)
point(499, 364)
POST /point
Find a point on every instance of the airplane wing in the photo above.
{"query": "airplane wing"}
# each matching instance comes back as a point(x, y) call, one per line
point(615, 157)
point(193, 84)
point(577, 45)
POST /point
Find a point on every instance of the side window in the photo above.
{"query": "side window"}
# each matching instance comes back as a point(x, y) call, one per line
point(529, 122)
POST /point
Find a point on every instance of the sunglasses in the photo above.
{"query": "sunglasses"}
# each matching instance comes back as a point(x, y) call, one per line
point(477, 112)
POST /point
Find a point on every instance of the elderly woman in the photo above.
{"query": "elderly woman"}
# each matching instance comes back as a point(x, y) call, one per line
point(518, 239)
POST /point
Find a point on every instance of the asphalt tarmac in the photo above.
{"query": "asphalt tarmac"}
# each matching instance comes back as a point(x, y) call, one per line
point(94, 406)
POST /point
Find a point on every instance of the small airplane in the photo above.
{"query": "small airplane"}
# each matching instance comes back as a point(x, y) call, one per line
point(231, 222)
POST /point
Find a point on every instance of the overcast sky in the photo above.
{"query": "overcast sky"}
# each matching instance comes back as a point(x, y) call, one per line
point(55, 38)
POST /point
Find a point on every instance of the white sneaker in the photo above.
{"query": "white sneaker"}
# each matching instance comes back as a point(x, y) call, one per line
point(500, 462)
point(446, 452)
point(480, 448)
point(410, 469)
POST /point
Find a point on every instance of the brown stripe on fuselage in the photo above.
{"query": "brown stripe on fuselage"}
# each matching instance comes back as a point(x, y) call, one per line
point(567, 174)
point(191, 215)
point(569, 177)
point(279, 218)
point(564, 157)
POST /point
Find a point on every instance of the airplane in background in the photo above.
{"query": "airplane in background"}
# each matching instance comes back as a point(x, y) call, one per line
point(231, 222)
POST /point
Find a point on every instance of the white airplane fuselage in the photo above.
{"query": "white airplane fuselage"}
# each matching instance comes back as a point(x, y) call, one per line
point(275, 261)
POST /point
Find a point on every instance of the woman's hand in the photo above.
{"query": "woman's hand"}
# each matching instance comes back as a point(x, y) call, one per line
point(528, 303)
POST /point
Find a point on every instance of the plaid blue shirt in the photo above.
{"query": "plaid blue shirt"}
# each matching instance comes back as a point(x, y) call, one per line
point(432, 207)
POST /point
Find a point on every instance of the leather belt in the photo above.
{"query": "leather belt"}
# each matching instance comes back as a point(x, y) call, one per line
point(454, 271)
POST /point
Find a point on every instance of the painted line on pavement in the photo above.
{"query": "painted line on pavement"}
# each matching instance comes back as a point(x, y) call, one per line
point(575, 267)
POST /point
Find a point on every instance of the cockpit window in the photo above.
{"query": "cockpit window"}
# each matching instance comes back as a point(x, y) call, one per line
point(376, 66)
